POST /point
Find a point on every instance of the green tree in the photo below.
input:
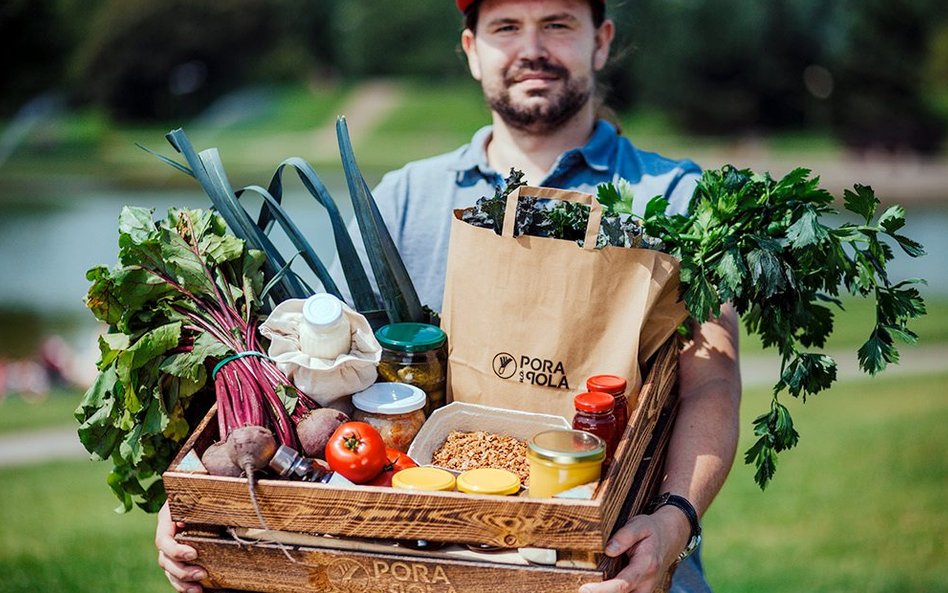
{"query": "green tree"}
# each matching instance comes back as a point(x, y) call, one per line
point(32, 51)
point(170, 58)
point(880, 74)
point(417, 38)
point(722, 66)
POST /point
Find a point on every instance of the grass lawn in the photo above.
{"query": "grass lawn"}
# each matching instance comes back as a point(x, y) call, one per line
point(853, 324)
point(56, 409)
point(429, 120)
point(60, 534)
point(857, 506)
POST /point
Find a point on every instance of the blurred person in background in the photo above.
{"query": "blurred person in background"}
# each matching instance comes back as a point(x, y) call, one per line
point(536, 61)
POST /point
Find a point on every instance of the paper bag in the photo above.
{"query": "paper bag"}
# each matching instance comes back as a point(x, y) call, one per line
point(529, 319)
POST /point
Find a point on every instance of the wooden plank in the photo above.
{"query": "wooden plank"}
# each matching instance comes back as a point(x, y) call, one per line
point(383, 513)
point(655, 396)
point(204, 434)
point(264, 568)
point(450, 552)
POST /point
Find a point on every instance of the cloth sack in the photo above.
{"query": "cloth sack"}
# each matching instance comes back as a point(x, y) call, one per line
point(529, 319)
point(328, 382)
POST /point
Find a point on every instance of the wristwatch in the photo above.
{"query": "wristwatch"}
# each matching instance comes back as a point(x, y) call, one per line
point(681, 503)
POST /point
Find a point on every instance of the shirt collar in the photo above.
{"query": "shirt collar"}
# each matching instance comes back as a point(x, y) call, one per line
point(474, 155)
point(601, 146)
point(596, 152)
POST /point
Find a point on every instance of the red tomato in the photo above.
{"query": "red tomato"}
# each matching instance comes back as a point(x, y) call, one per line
point(356, 451)
point(397, 461)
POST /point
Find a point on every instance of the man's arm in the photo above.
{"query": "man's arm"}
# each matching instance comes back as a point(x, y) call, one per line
point(700, 455)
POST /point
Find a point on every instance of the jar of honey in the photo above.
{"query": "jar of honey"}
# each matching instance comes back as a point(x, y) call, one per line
point(563, 459)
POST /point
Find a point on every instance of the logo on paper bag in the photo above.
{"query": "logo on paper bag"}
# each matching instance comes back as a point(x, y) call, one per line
point(504, 365)
point(529, 369)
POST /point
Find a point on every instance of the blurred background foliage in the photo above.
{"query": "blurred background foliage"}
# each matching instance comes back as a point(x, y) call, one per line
point(874, 72)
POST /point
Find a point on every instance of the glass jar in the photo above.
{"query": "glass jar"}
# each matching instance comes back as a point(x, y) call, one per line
point(324, 330)
point(488, 480)
point(594, 414)
point(288, 463)
point(563, 459)
point(423, 479)
point(614, 386)
point(393, 409)
point(415, 354)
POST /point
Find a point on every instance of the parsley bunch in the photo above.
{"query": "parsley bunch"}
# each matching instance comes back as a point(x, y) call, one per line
point(765, 245)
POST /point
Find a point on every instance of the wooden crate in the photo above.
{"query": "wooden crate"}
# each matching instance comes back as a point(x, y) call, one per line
point(579, 529)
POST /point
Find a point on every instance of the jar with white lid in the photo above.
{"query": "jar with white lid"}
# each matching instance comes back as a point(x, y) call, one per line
point(324, 330)
point(396, 410)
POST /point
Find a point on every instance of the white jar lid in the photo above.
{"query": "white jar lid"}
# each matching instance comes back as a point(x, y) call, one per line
point(322, 309)
point(390, 398)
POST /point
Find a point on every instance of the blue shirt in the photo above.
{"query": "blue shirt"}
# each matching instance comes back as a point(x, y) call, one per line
point(417, 200)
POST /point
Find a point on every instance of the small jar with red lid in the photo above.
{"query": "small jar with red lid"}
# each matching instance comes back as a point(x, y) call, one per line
point(614, 386)
point(594, 415)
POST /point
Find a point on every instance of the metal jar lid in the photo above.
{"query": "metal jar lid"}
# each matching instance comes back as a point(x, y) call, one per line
point(489, 480)
point(423, 478)
point(566, 447)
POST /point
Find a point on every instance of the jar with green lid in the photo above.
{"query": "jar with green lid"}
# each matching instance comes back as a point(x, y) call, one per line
point(416, 354)
point(563, 459)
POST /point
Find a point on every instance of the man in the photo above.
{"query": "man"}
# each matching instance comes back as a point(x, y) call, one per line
point(536, 61)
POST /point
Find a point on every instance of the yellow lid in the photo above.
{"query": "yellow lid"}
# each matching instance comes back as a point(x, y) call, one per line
point(489, 481)
point(423, 478)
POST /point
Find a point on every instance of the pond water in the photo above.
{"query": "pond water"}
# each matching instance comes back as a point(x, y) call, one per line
point(45, 251)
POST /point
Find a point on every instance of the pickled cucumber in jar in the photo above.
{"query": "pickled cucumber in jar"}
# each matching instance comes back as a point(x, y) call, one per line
point(415, 354)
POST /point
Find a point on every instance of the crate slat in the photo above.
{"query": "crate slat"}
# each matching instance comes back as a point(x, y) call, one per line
point(264, 568)
point(385, 513)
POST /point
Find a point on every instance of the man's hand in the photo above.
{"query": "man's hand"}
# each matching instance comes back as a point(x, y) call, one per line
point(652, 542)
point(173, 557)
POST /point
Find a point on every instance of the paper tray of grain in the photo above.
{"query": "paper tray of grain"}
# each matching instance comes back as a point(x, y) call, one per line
point(465, 417)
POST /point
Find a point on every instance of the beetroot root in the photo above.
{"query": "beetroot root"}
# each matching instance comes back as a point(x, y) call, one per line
point(315, 429)
point(219, 462)
point(252, 447)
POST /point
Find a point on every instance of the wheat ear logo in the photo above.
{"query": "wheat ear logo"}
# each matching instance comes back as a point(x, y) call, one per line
point(504, 365)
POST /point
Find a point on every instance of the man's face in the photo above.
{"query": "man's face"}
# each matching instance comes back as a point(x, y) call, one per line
point(536, 59)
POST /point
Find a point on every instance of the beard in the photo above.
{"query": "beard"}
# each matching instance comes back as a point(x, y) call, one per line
point(540, 116)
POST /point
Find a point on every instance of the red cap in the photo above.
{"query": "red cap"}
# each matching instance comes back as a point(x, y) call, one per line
point(608, 383)
point(594, 401)
point(464, 4)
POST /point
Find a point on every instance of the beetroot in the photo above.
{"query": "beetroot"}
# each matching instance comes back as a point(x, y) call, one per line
point(217, 459)
point(252, 447)
point(315, 429)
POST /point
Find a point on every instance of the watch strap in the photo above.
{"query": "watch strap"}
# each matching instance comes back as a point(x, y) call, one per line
point(685, 506)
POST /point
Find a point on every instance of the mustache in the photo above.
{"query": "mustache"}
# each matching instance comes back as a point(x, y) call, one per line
point(534, 66)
